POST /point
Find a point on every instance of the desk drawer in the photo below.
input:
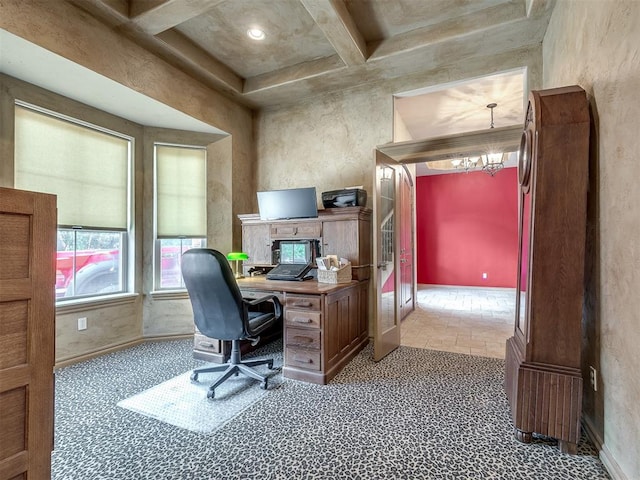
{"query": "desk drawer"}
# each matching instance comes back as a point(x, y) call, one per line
point(309, 359)
point(298, 318)
point(303, 302)
point(206, 344)
point(300, 337)
point(305, 230)
point(254, 294)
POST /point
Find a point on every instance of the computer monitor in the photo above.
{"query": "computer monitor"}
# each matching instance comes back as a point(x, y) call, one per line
point(289, 203)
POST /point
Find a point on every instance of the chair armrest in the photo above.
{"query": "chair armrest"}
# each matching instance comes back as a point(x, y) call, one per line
point(277, 306)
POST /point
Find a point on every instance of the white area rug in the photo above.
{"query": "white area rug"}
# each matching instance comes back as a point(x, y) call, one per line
point(183, 403)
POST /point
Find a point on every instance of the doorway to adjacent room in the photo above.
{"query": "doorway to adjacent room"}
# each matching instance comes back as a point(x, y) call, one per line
point(471, 320)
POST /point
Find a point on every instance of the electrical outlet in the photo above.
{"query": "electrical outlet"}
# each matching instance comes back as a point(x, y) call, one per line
point(82, 323)
point(593, 377)
point(484, 275)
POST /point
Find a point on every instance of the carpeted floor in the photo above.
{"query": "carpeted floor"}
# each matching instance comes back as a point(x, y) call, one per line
point(184, 403)
point(417, 414)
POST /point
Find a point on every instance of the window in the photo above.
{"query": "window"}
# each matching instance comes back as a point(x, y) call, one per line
point(88, 169)
point(181, 209)
point(96, 258)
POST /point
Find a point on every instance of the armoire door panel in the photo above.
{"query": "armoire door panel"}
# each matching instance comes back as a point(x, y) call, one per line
point(27, 332)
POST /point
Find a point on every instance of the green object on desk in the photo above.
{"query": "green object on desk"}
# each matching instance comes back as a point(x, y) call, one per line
point(237, 257)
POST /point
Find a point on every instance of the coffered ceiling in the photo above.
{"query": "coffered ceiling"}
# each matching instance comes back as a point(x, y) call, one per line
point(315, 46)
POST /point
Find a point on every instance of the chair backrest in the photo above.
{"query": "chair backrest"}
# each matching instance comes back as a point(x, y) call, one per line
point(215, 297)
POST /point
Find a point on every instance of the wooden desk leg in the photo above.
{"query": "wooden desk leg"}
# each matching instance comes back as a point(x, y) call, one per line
point(568, 447)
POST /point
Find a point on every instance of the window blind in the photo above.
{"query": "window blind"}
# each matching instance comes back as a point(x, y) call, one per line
point(181, 186)
point(87, 169)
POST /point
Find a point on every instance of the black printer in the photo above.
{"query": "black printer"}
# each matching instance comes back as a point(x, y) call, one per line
point(350, 197)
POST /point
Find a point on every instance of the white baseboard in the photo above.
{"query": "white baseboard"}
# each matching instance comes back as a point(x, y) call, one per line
point(605, 454)
point(611, 465)
point(592, 433)
point(70, 360)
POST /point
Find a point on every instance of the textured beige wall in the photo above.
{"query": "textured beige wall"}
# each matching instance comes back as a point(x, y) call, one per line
point(107, 326)
point(67, 31)
point(596, 44)
point(327, 144)
point(328, 141)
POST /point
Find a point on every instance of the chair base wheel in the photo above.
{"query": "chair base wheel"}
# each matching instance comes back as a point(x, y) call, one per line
point(194, 377)
point(263, 385)
point(270, 365)
point(211, 394)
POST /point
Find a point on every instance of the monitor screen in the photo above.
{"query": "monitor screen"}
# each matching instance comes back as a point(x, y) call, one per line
point(295, 252)
point(290, 203)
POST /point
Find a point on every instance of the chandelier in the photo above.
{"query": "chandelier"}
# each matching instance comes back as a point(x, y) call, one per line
point(492, 162)
point(466, 163)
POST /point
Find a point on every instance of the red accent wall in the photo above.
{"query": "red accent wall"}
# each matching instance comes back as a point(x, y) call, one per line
point(467, 224)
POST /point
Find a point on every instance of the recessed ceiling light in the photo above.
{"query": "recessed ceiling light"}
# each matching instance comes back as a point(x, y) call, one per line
point(256, 34)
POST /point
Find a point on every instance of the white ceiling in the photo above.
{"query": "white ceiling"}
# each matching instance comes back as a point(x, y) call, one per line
point(460, 107)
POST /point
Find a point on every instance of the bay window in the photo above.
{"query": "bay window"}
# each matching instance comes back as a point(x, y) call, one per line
point(88, 168)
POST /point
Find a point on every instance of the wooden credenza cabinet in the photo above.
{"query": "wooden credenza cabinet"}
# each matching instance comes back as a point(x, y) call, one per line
point(342, 231)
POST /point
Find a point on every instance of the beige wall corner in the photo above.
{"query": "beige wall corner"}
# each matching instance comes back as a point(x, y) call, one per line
point(220, 182)
point(596, 45)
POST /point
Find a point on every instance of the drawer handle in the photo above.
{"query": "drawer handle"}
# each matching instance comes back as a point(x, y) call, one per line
point(205, 344)
point(301, 339)
point(303, 304)
point(302, 320)
point(302, 360)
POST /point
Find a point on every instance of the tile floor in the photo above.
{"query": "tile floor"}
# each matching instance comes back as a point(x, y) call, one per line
point(473, 320)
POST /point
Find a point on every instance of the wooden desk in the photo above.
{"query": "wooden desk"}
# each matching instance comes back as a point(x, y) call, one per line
point(324, 325)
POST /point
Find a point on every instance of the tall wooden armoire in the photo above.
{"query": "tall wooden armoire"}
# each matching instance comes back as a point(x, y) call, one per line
point(543, 380)
point(27, 332)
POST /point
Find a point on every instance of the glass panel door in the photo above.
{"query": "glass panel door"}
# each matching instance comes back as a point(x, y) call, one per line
point(387, 328)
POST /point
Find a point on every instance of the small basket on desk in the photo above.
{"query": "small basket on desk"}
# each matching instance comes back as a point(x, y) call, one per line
point(342, 275)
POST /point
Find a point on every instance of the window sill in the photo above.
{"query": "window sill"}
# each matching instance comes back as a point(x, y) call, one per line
point(169, 295)
point(95, 303)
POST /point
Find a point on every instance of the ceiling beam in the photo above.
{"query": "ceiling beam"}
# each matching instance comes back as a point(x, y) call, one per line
point(456, 27)
point(168, 14)
point(169, 45)
point(197, 59)
point(295, 73)
point(110, 12)
point(138, 7)
point(537, 7)
point(334, 20)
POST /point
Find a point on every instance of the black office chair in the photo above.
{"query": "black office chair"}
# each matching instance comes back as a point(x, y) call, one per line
point(220, 312)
